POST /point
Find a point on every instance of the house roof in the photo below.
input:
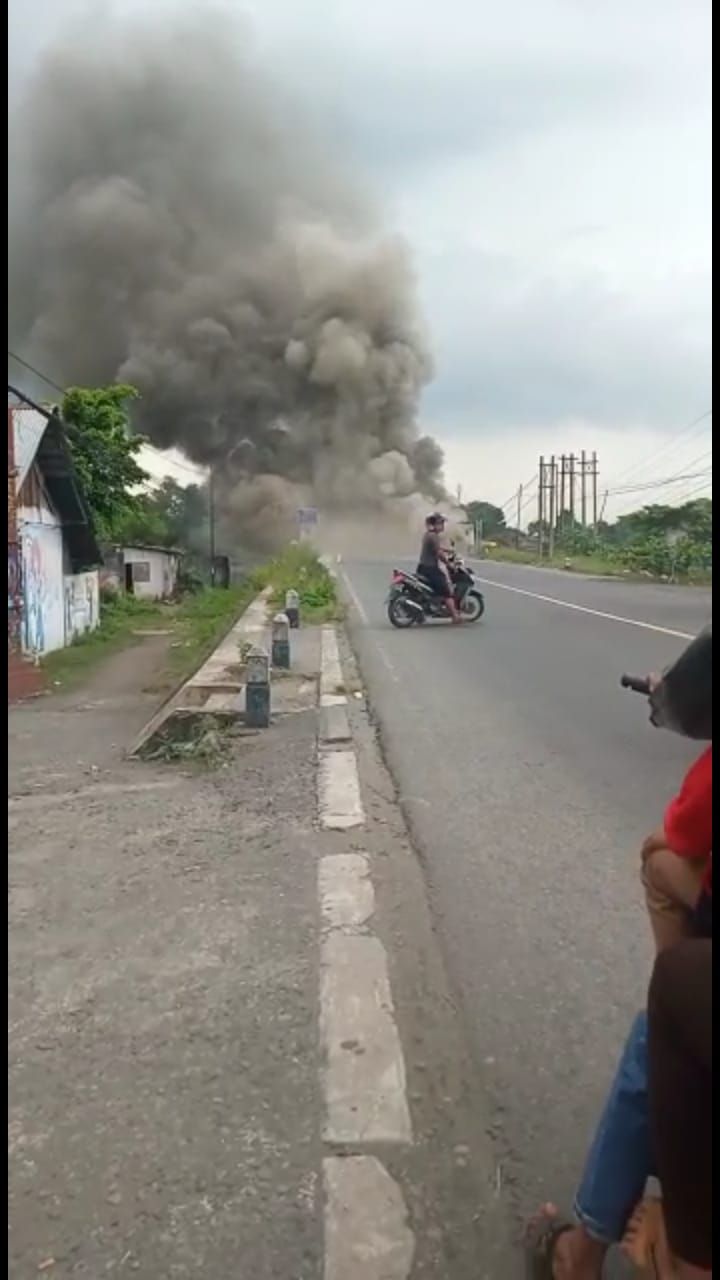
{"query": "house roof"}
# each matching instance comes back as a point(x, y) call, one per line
point(148, 546)
point(50, 450)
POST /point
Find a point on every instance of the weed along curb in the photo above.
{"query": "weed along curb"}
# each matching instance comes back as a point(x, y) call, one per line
point(234, 684)
point(215, 689)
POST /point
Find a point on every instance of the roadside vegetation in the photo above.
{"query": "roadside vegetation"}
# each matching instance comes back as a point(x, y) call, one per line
point(299, 568)
point(196, 621)
point(669, 543)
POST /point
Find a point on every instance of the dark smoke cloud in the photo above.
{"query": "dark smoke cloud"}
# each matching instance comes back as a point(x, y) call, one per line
point(173, 226)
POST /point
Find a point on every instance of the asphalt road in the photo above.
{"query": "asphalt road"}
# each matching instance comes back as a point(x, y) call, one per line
point(529, 779)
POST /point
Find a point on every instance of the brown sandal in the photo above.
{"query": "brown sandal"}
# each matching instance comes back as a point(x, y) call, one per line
point(541, 1239)
point(645, 1242)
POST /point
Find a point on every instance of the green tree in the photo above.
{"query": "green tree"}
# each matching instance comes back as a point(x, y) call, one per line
point(105, 452)
point(491, 518)
point(184, 508)
point(171, 516)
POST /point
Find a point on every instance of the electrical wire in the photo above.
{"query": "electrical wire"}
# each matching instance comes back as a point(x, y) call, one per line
point(198, 472)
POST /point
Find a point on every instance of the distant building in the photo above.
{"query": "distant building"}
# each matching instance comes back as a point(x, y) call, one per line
point(53, 554)
point(150, 573)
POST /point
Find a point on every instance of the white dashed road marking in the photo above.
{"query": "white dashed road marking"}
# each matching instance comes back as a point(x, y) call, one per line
point(581, 608)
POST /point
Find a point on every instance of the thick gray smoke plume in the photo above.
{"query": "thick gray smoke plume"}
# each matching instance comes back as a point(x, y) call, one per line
point(173, 226)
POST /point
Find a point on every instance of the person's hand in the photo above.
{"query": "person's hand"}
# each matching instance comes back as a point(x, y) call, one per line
point(654, 681)
point(656, 840)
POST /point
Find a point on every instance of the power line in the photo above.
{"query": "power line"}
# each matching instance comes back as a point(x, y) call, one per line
point(658, 484)
point(689, 430)
point(682, 498)
point(198, 472)
point(42, 376)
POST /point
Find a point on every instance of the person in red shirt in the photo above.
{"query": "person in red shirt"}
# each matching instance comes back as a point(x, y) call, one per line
point(677, 860)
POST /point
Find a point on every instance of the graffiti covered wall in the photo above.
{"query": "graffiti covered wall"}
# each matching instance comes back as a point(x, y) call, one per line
point(42, 578)
point(82, 604)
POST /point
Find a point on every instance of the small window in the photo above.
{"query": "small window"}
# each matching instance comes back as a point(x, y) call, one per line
point(140, 570)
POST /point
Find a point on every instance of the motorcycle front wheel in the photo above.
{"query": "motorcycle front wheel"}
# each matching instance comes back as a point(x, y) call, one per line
point(472, 607)
point(399, 614)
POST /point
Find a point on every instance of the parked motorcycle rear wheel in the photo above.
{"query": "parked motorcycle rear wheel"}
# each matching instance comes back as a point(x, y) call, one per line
point(400, 615)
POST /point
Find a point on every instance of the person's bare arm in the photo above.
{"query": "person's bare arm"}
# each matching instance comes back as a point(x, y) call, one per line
point(656, 840)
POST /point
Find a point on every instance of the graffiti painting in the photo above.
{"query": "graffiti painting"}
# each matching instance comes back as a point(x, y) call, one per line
point(14, 595)
point(82, 604)
point(35, 593)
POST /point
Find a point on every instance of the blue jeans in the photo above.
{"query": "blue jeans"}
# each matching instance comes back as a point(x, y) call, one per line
point(620, 1159)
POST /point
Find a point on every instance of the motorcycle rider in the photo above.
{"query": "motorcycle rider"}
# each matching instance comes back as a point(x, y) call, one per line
point(433, 564)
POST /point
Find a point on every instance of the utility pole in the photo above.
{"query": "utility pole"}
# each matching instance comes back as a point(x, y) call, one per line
point(541, 505)
point(594, 474)
point(517, 517)
point(583, 488)
point(571, 488)
point(553, 494)
point(211, 523)
point(561, 503)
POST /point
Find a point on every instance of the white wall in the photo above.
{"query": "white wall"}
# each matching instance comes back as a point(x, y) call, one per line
point(154, 572)
point(43, 598)
point(82, 603)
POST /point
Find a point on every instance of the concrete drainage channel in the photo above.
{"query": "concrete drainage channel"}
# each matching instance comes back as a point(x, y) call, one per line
point(233, 686)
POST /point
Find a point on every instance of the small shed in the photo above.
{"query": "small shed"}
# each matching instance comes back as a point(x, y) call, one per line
point(148, 572)
point(57, 551)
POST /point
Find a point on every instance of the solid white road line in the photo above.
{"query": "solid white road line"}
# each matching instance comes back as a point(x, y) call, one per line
point(364, 1066)
point(359, 606)
point(581, 608)
point(339, 799)
point(366, 1231)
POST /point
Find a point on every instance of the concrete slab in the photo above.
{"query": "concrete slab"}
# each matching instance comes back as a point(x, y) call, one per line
point(366, 1232)
point(365, 1069)
point(334, 724)
point(347, 897)
point(339, 801)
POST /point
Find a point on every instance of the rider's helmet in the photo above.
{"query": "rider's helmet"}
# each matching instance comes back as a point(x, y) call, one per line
point(435, 520)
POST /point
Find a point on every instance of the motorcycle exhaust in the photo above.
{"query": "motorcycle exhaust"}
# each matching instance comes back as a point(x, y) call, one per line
point(412, 606)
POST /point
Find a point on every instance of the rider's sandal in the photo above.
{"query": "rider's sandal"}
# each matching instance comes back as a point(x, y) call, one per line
point(540, 1243)
point(645, 1241)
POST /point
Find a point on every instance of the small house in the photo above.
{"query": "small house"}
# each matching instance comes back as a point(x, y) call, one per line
point(150, 573)
point(52, 543)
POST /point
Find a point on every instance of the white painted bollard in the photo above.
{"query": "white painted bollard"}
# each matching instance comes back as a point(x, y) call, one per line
point(292, 608)
point(257, 688)
point(281, 641)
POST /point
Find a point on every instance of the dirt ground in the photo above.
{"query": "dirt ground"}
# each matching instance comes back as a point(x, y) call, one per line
point(163, 1061)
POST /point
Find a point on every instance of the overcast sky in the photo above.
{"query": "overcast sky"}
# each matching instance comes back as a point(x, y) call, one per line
point(549, 162)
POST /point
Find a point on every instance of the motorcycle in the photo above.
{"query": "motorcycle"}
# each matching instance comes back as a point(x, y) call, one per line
point(412, 601)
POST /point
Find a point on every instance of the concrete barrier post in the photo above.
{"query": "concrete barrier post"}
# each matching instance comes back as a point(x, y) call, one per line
point(292, 608)
point(257, 688)
point(281, 641)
